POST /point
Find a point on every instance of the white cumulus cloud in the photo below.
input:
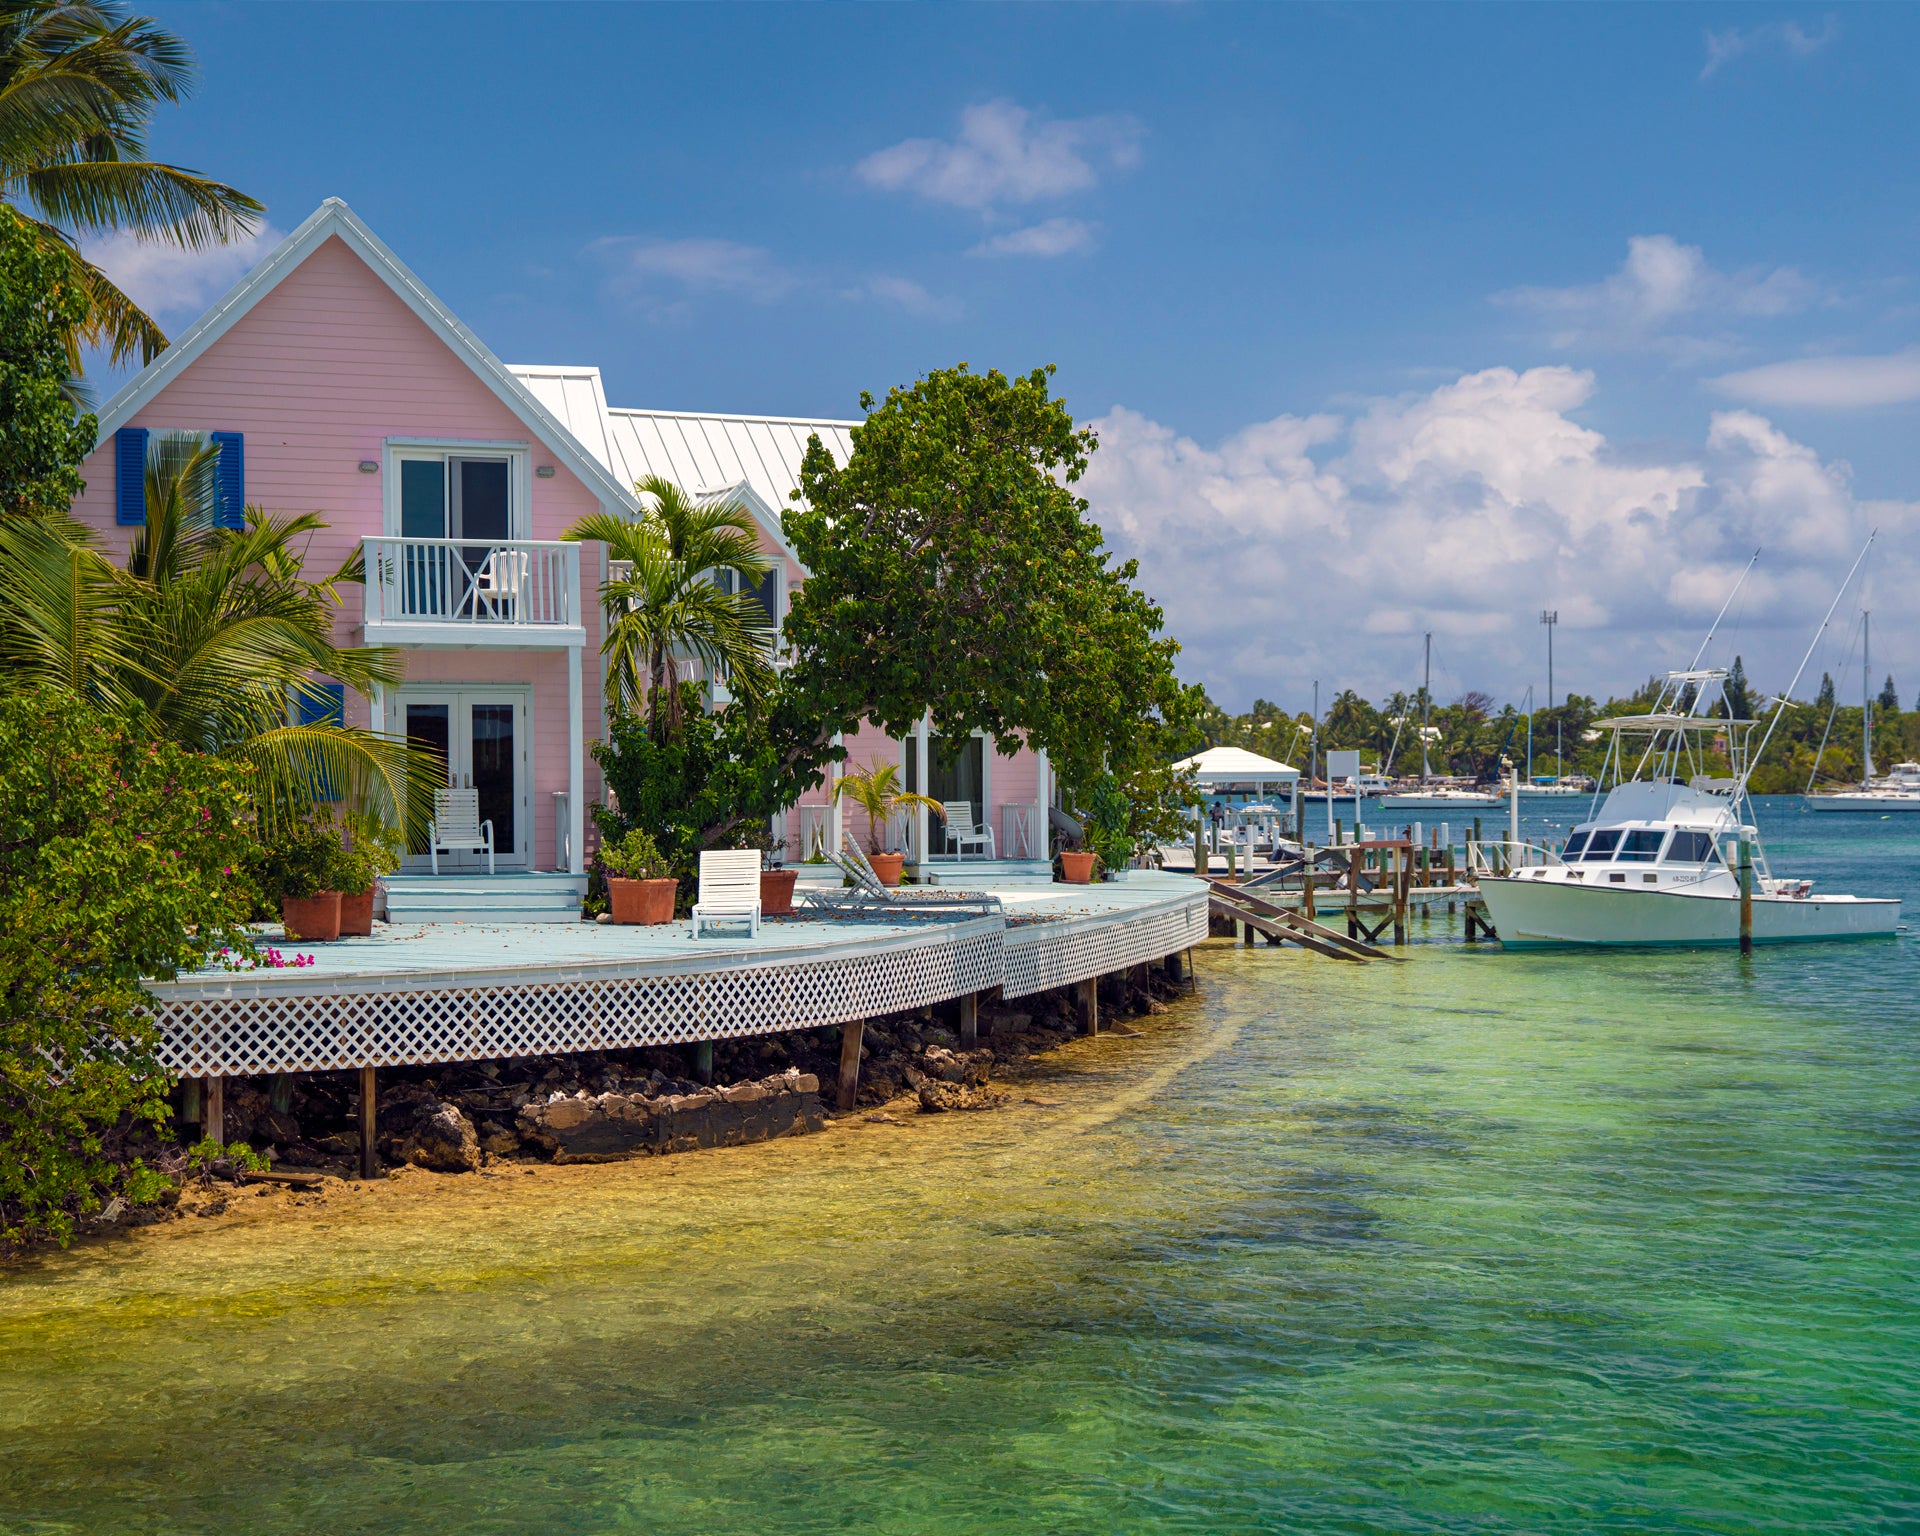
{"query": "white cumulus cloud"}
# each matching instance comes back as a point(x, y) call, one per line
point(1660, 285)
point(165, 280)
point(660, 277)
point(1006, 154)
point(905, 294)
point(1789, 37)
point(1050, 237)
point(1839, 383)
point(1323, 546)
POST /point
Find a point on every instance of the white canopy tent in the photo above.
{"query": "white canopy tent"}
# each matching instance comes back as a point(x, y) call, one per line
point(1220, 769)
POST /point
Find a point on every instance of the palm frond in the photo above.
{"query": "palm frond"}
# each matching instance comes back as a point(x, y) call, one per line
point(293, 768)
point(159, 202)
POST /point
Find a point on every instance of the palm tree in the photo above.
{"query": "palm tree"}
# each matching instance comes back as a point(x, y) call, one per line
point(664, 608)
point(876, 790)
point(215, 635)
point(79, 82)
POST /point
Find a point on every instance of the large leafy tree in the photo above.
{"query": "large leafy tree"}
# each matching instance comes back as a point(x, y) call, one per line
point(80, 81)
point(954, 572)
point(116, 860)
point(212, 635)
point(665, 606)
point(43, 439)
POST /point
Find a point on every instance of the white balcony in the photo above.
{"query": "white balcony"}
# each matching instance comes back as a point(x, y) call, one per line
point(473, 592)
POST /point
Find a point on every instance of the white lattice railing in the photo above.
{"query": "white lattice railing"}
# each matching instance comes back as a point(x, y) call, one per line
point(292, 1021)
point(1020, 834)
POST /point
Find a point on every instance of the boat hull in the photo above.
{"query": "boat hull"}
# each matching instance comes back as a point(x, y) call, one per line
point(1436, 803)
point(1877, 804)
point(1529, 913)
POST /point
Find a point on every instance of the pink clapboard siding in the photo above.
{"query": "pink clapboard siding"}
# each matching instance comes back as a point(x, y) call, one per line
point(319, 373)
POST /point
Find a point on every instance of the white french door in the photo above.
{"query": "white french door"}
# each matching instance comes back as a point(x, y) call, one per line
point(482, 735)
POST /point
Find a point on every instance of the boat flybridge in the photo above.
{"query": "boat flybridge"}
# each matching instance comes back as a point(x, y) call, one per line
point(1658, 858)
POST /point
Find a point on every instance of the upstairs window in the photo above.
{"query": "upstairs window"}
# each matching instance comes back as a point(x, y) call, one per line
point(456, 496)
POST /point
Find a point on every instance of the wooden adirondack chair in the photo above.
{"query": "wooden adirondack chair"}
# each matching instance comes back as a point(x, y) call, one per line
point(457, 826)
point(729, 890)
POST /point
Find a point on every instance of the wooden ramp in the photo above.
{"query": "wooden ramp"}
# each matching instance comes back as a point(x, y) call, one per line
point(1279, 923)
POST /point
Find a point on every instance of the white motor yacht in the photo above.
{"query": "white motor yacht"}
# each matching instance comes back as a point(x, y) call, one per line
point(1657, 861)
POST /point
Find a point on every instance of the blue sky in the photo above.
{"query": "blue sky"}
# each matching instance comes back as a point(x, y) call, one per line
point(1392, 318)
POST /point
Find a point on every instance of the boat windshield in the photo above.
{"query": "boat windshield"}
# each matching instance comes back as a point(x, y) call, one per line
point(1690, 848)
point(1574, 844)
point(1642, 845)
point(1601, 845)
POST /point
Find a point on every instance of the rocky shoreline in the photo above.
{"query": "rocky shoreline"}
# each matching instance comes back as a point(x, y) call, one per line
point(603, 1107)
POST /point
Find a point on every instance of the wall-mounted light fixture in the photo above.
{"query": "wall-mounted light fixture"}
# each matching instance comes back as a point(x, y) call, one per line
point(369, 466)
point(544, 471)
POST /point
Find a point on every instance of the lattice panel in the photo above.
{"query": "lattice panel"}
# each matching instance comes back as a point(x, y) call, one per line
point(324, 1032)
point(1048, 955)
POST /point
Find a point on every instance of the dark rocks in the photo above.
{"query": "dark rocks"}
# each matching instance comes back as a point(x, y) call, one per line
point(609, 1126)
point(430, 1133)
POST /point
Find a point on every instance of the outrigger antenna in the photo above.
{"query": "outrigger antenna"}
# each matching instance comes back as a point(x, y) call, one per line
point(1753, 759)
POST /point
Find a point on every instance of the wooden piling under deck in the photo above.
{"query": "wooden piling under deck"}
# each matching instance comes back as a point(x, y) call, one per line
point(369, 1120)
point(851, 1034)
point(969, 1021)
point(1090, 1005)
point(213, 1123)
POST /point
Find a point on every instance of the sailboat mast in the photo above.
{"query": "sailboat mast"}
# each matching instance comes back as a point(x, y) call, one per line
point(1426, 705)
point(1866, 698)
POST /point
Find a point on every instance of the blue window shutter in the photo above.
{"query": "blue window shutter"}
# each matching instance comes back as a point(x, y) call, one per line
point(233, 478)
point(330, 710)
point(130, 477)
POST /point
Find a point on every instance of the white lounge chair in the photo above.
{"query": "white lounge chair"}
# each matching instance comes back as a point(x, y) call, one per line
point(457, 826)
point(962, 830)
point(729, 890)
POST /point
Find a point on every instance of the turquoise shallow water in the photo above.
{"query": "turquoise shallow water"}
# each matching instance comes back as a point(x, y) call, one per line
point(1541, 1242)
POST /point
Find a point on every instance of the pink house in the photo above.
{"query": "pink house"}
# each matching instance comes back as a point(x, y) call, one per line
point(335, 382)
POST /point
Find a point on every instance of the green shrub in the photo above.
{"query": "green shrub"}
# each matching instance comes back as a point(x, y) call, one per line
point(635, 857)
point(120, 861)
point(302, 858)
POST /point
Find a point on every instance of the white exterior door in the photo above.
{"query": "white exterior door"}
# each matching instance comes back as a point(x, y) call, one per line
point(483, 737)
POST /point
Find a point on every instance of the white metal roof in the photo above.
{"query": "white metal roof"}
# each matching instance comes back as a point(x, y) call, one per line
point(703, 454)
point(1235, 765)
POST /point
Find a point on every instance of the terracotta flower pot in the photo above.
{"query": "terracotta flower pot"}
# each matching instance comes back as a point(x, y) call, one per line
point(641, 901)
point(1076, 866)
point(776, 891)
point(888, 866)
point(356, 912)
point(315, 919)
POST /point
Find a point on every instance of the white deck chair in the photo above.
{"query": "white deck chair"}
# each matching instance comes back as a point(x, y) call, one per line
point(962, 829)
point(729, 890)
point(457, 826)
point(501, 580)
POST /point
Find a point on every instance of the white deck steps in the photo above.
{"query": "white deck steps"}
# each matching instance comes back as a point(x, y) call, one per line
point(502, 898)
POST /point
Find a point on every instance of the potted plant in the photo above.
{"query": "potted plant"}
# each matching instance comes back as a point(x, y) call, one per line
point(374, 851)
point(876, 790)
point(302, 866)
point(776, 891)
point(640, 883)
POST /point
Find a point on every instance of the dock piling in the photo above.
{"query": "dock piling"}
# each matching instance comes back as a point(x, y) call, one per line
point(214, 1124)
point(1746, 893)
point(1090, 1005)
point(851, 1033)
point(969, 1021)
point(703, 1061)
point(369, 1120)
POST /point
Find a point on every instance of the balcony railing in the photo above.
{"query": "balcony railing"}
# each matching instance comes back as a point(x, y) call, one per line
point(473, 591)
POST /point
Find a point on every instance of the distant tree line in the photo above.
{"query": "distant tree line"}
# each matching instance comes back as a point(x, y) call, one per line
point(1470, 734)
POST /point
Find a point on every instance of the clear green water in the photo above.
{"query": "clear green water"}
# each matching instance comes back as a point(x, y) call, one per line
point(1483, 1242)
